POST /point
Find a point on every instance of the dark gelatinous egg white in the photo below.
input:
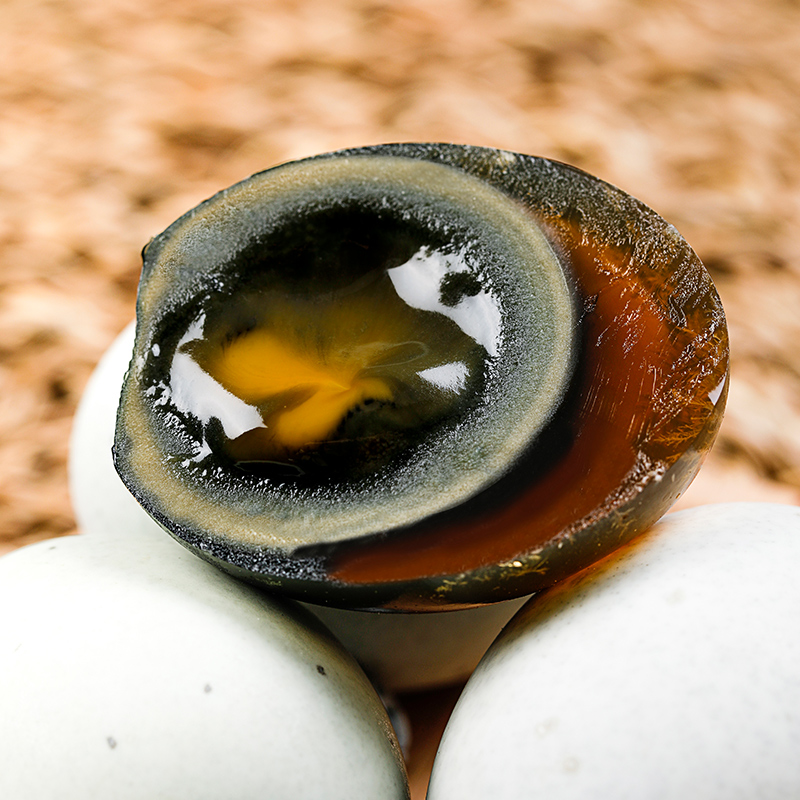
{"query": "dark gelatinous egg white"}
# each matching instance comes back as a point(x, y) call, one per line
point(418, 376)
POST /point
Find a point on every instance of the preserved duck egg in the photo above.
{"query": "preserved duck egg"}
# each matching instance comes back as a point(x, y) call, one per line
point(418, 376)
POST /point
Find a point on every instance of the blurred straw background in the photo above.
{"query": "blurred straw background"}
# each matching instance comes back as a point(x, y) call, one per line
point(117, 116)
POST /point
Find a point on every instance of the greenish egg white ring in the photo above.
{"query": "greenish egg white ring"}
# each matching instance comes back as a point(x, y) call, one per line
point(526, 382)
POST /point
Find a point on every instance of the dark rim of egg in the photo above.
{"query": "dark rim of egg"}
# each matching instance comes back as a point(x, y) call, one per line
point(556, 370)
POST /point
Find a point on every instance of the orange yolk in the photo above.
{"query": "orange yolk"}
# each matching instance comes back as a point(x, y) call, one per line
point(258, 365)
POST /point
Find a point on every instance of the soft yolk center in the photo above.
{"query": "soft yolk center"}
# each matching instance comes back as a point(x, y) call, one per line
point(258, 366)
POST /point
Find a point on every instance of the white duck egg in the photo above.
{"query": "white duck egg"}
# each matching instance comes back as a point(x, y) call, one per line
point(131, 669)
point(669, 670)
point(100, 500)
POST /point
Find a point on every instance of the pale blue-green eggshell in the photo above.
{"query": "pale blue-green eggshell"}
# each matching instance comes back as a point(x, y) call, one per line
point(669, 671)
point(100, 501)
point(130, 669)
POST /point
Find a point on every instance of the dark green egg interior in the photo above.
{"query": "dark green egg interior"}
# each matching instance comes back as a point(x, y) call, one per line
point(345, 374)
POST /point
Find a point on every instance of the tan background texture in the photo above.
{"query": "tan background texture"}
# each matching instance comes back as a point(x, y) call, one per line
point(116, 116)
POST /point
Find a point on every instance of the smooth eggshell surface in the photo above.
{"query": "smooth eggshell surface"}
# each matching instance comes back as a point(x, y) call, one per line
point(400, 651)
point(130, 669)
point(669, 671)
point(100, 500)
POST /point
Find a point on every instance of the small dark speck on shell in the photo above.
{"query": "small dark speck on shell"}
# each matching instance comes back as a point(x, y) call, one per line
point(321, 669)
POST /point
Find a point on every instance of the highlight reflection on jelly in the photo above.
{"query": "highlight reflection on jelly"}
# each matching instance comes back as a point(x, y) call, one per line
point(375, 359)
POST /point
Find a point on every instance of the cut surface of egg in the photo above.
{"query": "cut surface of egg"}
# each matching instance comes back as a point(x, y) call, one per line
point(668, 670)
point(130, 669)
point(418, 376)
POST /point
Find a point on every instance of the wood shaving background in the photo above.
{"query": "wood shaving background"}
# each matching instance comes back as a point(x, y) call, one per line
point(116, 116)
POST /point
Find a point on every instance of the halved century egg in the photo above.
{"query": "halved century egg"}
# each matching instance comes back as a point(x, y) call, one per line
point(418, 376)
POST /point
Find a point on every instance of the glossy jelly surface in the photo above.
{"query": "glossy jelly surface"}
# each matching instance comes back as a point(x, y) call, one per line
point(316, 383)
